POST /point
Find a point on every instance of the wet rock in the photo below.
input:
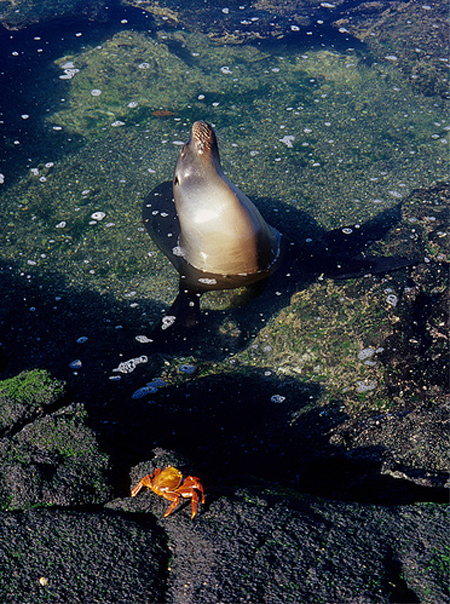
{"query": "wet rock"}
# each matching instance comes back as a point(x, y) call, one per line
point(237, 23)
point(17, 14)
point(259, 549)
point(53, 461)
point(410, 445)
point(25, 397)
point(62, 556)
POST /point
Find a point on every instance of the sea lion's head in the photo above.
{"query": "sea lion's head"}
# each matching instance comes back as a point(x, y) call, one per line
point(198, 157)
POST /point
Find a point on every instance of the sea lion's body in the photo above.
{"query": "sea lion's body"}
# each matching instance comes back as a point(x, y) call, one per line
point(222, 232)
point(210, 231)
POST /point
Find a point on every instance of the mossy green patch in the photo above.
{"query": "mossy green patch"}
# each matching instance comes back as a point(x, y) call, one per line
point(31, 387)
point(319, 336)
point(24, 397)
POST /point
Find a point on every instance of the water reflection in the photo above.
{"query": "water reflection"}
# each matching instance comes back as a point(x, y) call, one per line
point(324, 122)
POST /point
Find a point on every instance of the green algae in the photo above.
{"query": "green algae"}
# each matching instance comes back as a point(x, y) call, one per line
point(318, 338)
point(25, 396)
point(132, 77)
point(35, 387)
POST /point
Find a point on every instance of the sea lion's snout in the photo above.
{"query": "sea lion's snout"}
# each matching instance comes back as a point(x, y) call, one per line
point(202, 136)
point(199, 156)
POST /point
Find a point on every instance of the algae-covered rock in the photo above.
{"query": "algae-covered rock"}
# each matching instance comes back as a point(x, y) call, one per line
point(53, 461)
point(233, 22)
point(62, 556)
point(331, 333)
point(25, 397)
point(412, 36)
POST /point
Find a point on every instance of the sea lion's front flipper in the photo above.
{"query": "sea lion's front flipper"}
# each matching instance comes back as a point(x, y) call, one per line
point(186, 309)
point(181, 318)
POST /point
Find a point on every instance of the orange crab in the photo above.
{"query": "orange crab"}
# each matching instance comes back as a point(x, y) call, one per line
point(169, 484)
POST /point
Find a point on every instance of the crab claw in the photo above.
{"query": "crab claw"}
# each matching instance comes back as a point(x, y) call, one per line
point(145, 482)
point(137, 488)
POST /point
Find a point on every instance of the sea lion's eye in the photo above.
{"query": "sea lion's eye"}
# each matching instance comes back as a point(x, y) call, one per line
point(176, 181)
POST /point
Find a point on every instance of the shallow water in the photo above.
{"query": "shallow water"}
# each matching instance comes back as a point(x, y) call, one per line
point(93, 117)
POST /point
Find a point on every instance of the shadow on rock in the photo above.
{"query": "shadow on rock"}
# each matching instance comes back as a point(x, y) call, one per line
point(237, 425)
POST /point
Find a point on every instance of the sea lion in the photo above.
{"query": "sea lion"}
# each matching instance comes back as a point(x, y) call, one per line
point(217, 239)
point(222, 232)
point(211, 232)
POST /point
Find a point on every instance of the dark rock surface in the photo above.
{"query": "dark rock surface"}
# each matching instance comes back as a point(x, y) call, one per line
point(260, 542)
point(61, 556)
point(257, 543)
point(261, 545)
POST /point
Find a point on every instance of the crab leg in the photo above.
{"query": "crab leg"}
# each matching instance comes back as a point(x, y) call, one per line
point(175, 499)
point(194, 502)
point(137, 488)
